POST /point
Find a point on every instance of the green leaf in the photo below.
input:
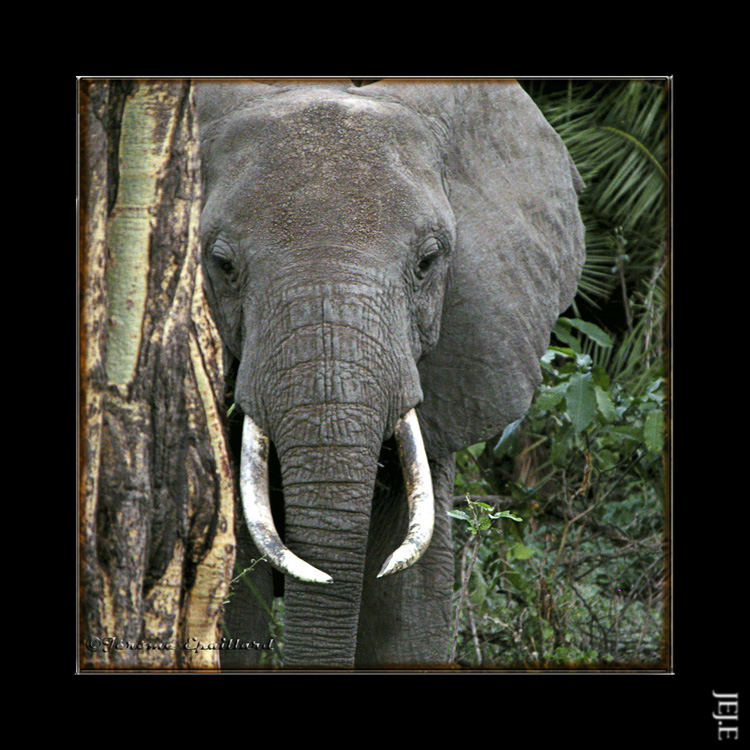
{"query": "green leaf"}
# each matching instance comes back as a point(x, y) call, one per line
point(655, 392)
point(601, 378)
point(596, 334)
point(479, 504)
point(563, 333)
point(507, 514)
point(520, 551)
point(583, 361)
point(605, 405)
point(476, 449)
point(551, 396)
point(581, 401)
point(607, 459)
point(461, 515)
point(479, 586)
point(509, 438)
point(653, 431)
point(567, 369)
point(566, 351)
point(657, 384)
point(558, 452)
point(626, 431)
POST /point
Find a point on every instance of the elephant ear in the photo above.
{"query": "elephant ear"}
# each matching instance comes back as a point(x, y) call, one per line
point(519, 252)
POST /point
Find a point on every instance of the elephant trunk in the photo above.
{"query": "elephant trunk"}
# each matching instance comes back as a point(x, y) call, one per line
point(332, 392)
point(327, 501)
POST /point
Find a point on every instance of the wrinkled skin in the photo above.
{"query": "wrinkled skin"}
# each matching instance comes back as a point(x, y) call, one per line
point(366, 251)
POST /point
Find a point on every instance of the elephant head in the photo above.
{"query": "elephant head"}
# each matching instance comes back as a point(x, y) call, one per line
point(381, 261)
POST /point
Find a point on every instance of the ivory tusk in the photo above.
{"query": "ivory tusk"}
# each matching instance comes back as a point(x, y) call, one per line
point(256, 504)
point(419, 493)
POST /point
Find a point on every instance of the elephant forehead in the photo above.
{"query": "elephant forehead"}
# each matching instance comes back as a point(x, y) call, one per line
point(342, 154)
point(342, 203)
point(313, 125)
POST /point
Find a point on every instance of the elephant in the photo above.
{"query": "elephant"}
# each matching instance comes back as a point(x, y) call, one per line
point(384, 263)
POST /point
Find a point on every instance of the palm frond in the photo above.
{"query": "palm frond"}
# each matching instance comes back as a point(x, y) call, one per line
point(617, 134)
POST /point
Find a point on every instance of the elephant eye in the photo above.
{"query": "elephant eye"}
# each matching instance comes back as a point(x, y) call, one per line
point(424, 265)
point(222, 256)
point(225, 265)
point(430, 254)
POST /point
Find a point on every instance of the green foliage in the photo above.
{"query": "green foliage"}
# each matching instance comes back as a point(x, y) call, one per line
point(617, 133)
point(478, 520)
point(481, 517)
point(580, 582)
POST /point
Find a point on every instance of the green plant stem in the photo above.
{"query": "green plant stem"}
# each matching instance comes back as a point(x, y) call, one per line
point(566, 529)
point(624, 288)
point(470, 615)
point(464, 588)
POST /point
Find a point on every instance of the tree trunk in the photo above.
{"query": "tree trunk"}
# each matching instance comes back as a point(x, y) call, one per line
point(156, 487)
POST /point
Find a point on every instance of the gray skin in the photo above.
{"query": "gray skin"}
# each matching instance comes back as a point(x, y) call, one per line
point(365, 251)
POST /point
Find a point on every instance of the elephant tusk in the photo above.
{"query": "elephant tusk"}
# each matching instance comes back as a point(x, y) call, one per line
point(256, 503)
point(420, 498)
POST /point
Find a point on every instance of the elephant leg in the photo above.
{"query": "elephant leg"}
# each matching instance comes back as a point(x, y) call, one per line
point(247, 615)
point(405, 618)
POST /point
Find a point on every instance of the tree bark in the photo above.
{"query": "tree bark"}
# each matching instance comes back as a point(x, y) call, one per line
point(156, 486)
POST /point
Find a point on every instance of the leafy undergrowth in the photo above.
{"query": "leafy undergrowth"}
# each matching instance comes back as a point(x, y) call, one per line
point(580, 580)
